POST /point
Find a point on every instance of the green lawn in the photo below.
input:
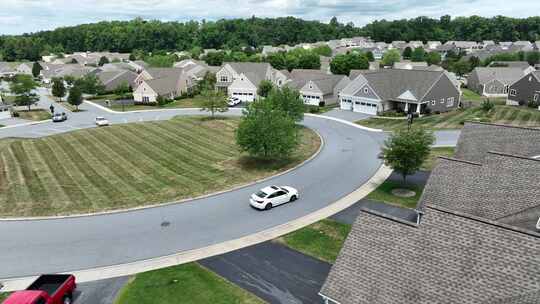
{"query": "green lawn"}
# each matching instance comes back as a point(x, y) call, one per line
point(4, 295)
point(383, 193)
point(129, 165)
point(435, 153)
point(195, 102)
point(519, 116)
point(322, 240)
point(35, 114)
point(186, 284)
point(469, 95)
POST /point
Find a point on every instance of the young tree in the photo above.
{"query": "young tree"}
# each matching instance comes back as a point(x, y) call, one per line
point(407, 53)
point(474, 62)
point(533, 57)
point(207, 83)
point(122, 89)
point(36, 69)
point(103, 60)
point(433, 58)
point(369, 56)
point(460, 67)
point(264, 88)
point(58, 88)
point(288, 101)
point(22, 87)
point(214, 101)
point(75, 97)
point(266, 132)
point(390, 57)
point(405, 151)
point(418, 55)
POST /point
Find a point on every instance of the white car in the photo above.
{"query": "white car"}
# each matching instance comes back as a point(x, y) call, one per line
point(272, 196)
point(101, 121)
point(233, 101)
point(538, 224)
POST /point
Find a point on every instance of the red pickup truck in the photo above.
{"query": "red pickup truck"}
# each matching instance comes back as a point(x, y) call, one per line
point(47, 289)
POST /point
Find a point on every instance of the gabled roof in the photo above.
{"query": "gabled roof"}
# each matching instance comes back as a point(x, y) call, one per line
point(476, 139)
point(163, 86)
point(164, 72)
point(505, 75)
point(449, 257)
point(254, 71)
point(119, 75)
point(325, 82)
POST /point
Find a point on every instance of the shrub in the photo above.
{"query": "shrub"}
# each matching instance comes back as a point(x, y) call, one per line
point(487, 105)
point(427, 111)
point(533, 104)
point(521, 102)
point(321, 104)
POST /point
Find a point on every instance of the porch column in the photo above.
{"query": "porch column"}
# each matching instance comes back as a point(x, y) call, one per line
point(406, 107)
point(418, 106)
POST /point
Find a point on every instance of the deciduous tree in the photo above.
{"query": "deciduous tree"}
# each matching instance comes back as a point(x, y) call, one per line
point(23, 87)
point(391, 57)
point(264, 88)
point(75, 97)
point(214, 101)
point(58, 88)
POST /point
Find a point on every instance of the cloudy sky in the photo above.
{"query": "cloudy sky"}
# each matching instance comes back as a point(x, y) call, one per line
point(19, 16)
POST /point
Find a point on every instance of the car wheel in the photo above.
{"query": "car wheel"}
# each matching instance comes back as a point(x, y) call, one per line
point(293, 198)
point(268, 207)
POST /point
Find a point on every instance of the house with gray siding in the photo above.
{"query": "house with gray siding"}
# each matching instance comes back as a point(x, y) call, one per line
point(495, 81)
point(526, 90)
point(373, 92)
point(317, 87)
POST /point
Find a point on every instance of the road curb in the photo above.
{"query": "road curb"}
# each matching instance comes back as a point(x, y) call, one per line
point(26, 124)
point(343, 121)
point(111, 212)
point(132, 268)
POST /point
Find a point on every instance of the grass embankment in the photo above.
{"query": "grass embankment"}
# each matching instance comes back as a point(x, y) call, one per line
point(322, 240)
point(429, 164)
point(34, 114)
point(186, 284)
point(129, 165)
point(383, 193)
point(3, 296)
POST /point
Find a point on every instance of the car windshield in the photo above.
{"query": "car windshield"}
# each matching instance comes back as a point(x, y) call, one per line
point(57, 114)
point(100, 118)
point(261, 194)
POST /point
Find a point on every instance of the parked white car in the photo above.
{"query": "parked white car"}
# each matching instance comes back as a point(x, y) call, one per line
point(101, 121)
point(233, 101)
point(272, 196)
point(538, 224)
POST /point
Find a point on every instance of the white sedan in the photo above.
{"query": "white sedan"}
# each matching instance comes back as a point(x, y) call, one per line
point(538, 224)
point(101, 121)
point(233, 101)
point(272, 196)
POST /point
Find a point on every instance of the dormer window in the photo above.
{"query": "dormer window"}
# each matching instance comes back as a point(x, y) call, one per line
point(224, 78)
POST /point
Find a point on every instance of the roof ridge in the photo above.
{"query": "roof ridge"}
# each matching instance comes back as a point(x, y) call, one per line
point(388, 216)
point(513, 156)
point(501, 125)
point(460, 160)
point(483, 220)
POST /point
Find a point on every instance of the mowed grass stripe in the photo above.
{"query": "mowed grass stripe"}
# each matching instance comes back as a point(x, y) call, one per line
point(103, 164)
point(135, 174)
point(56, 198)
point(154, 170)
point(101, 184)
point(63, 174)
point(15, 190)
point(182, 164)
point(219, 132)
point(194, 135)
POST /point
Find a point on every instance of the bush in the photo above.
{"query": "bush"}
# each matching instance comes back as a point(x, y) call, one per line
point(533, 104)
point(427, 111)
point(321, 104)
point(313, 109)
point(437, 112)
point(487, 105)
point(393, 114)
point(15, 114)
point(521, 103)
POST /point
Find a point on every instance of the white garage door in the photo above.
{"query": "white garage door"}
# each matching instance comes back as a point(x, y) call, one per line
point(367, 107)
point(311, 99)
point(346, 104)
point(244, 97)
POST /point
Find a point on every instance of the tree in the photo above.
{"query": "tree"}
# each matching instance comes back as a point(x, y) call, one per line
point(288, 101)
point(214, 101)
point(474, 62)
point(22, 87)
point(418, 55)
point(90, 84)
point(160, 61)
point(460, 67)
point(36, 69)
point(406, 150)
point(533, 58)
point(75, 97)
point(103, 60)
point(433, 58)
point(264, 88)
point(407, 53)
point(323, 50)
point(266, 132)
point(343, 64)
point(122, 89)
point(391, 57)
point(369, 56)
point(58, 88)
point(214, 58)
point(207, 83)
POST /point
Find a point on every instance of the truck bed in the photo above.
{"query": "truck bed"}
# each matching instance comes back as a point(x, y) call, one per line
point(49, 283)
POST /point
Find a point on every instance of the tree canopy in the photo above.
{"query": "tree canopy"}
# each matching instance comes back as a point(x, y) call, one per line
point(390, 57)
point(343, 64)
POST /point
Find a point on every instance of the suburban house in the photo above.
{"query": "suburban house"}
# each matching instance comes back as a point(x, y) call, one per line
point(242, 79)
point(317, 87)
point(25, 68)
point(373, 92)
point(433, 45)
point(114, 79)
point(7, 69)
point(477, 215)
point(166, 82)
point(495, 81)
point(525, 90)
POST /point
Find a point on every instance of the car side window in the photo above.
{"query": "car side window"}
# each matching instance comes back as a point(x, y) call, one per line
point(41, 300)
point(273, 195)
point(280, 193)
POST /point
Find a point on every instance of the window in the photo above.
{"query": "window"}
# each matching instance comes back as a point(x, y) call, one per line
point(535, 97)
point(450, 102)
point(146, 99)
point(357, 102)
point(224, 78)
point(41, 300)
point(363, 103)
point(366, 90)
point(442, 100)
point(513, 92)
point(505, 89)
point(433, 102)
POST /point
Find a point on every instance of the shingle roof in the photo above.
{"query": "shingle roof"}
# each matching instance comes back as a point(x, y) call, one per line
point(325, 82)
point(163, 86)
point(165, 72)
point(448, 258)
point(254, 71)
point(506, 75)
point(511, 64)
point(478, 138)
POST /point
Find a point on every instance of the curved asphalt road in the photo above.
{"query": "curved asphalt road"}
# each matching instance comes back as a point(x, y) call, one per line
point(347, 160)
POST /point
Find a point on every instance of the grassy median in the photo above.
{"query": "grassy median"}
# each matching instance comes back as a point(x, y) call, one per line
point(186, 284)
point(129, 165)
point(34, 114)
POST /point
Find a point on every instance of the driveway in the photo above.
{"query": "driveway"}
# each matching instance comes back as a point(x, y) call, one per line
point(273, 272)
point(346, 115)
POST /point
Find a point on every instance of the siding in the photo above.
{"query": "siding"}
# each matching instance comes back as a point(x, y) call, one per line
point(443, 88)
point(525, 89)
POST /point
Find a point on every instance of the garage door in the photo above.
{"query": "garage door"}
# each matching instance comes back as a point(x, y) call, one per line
point(244, 97)
point(366, 107)
point(346, 104)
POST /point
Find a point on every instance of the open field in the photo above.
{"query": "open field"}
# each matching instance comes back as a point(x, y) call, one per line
point(322, 240)
point(519, 116)
point(35, 114)
point(129, 165)
point(186, 284)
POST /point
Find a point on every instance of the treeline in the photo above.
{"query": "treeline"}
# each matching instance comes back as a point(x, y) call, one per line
point(472, 28)
point(139, 34)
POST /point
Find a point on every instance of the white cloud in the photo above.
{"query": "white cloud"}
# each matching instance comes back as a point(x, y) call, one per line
point(17, 16)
